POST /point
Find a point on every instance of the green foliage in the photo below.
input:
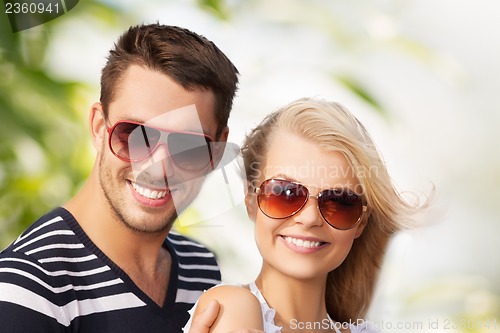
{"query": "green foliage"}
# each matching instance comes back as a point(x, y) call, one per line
point(215, 7)
point(44, 145)
point(362, 92)
point(40, 134)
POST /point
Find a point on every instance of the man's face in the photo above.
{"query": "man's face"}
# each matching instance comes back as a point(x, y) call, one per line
point(147, 194)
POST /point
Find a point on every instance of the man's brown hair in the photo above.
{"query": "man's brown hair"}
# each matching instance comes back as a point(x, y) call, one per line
point(189, 59)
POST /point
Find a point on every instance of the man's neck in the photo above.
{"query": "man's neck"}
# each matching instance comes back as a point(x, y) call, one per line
point(139, 254)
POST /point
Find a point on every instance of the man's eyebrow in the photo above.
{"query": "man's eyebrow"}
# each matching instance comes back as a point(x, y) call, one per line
point(145, 123)
point(122, 118)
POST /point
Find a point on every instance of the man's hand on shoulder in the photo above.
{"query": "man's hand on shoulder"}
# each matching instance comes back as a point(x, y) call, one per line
point(203, 321)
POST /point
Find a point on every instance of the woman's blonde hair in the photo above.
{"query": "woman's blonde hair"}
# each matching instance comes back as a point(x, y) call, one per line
point(332, 127)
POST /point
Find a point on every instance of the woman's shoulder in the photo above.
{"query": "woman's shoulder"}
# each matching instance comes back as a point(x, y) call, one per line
point(229, 294)
point(239, 307)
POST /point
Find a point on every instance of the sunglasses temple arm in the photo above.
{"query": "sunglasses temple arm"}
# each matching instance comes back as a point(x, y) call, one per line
point(227, 186)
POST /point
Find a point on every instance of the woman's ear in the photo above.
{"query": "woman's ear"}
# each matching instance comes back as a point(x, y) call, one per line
point(251, 202)
point(97, 125)
point(361, 226)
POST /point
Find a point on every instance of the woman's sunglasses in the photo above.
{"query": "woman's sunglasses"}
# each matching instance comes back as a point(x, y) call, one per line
point(279, 199)
point(132, 141)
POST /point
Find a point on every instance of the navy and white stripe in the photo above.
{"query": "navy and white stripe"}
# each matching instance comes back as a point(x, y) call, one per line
point(54, 279)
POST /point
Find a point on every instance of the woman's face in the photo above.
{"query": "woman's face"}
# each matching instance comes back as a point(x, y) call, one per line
point(303, 246)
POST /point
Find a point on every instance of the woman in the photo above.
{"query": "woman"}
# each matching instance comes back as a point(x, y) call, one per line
point(324, 209)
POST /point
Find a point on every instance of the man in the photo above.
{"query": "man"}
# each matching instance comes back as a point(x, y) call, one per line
point(106, 261)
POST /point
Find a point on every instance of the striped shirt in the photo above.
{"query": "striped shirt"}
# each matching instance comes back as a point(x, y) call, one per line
point(53, 278)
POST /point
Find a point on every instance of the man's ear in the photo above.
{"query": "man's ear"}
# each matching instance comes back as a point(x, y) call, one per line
point(97, 125)
point(251, 202)
point(220, 145)
point(224, 134)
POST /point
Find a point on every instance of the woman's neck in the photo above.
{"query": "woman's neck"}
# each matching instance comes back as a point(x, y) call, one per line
point(299, 303)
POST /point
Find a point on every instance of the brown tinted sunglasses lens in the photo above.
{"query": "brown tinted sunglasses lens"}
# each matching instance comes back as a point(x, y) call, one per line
point(279, 198)
point(342, 209)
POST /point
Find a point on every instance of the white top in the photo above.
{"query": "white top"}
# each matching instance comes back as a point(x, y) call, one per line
point(268, 314)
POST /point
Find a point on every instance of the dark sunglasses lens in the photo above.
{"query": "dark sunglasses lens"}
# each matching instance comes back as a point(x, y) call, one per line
point(281, 198)
point(340, 208)
point(189, 151)
point(134, 142)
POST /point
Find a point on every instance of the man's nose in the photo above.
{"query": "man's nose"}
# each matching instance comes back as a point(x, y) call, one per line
point(161, 162)
point(156, 167)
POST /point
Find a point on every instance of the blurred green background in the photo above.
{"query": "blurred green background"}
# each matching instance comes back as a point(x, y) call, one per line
point(422, 76)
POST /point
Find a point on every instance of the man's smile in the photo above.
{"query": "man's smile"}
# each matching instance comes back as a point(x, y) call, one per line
point(149, 193)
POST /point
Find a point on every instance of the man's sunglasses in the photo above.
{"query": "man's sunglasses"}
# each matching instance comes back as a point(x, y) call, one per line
point(279, 199)
point(132, 142)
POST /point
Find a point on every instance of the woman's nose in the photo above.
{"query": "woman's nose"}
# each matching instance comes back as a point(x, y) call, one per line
point(309, 215)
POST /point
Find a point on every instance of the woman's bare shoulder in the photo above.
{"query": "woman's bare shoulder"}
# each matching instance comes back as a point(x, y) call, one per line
point(239, 308)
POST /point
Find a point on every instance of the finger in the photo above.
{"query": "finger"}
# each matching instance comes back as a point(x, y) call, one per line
point(203, 321)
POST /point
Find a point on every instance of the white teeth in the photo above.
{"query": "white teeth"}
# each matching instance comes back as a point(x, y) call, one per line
point(145, 192)
point(302, 243)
